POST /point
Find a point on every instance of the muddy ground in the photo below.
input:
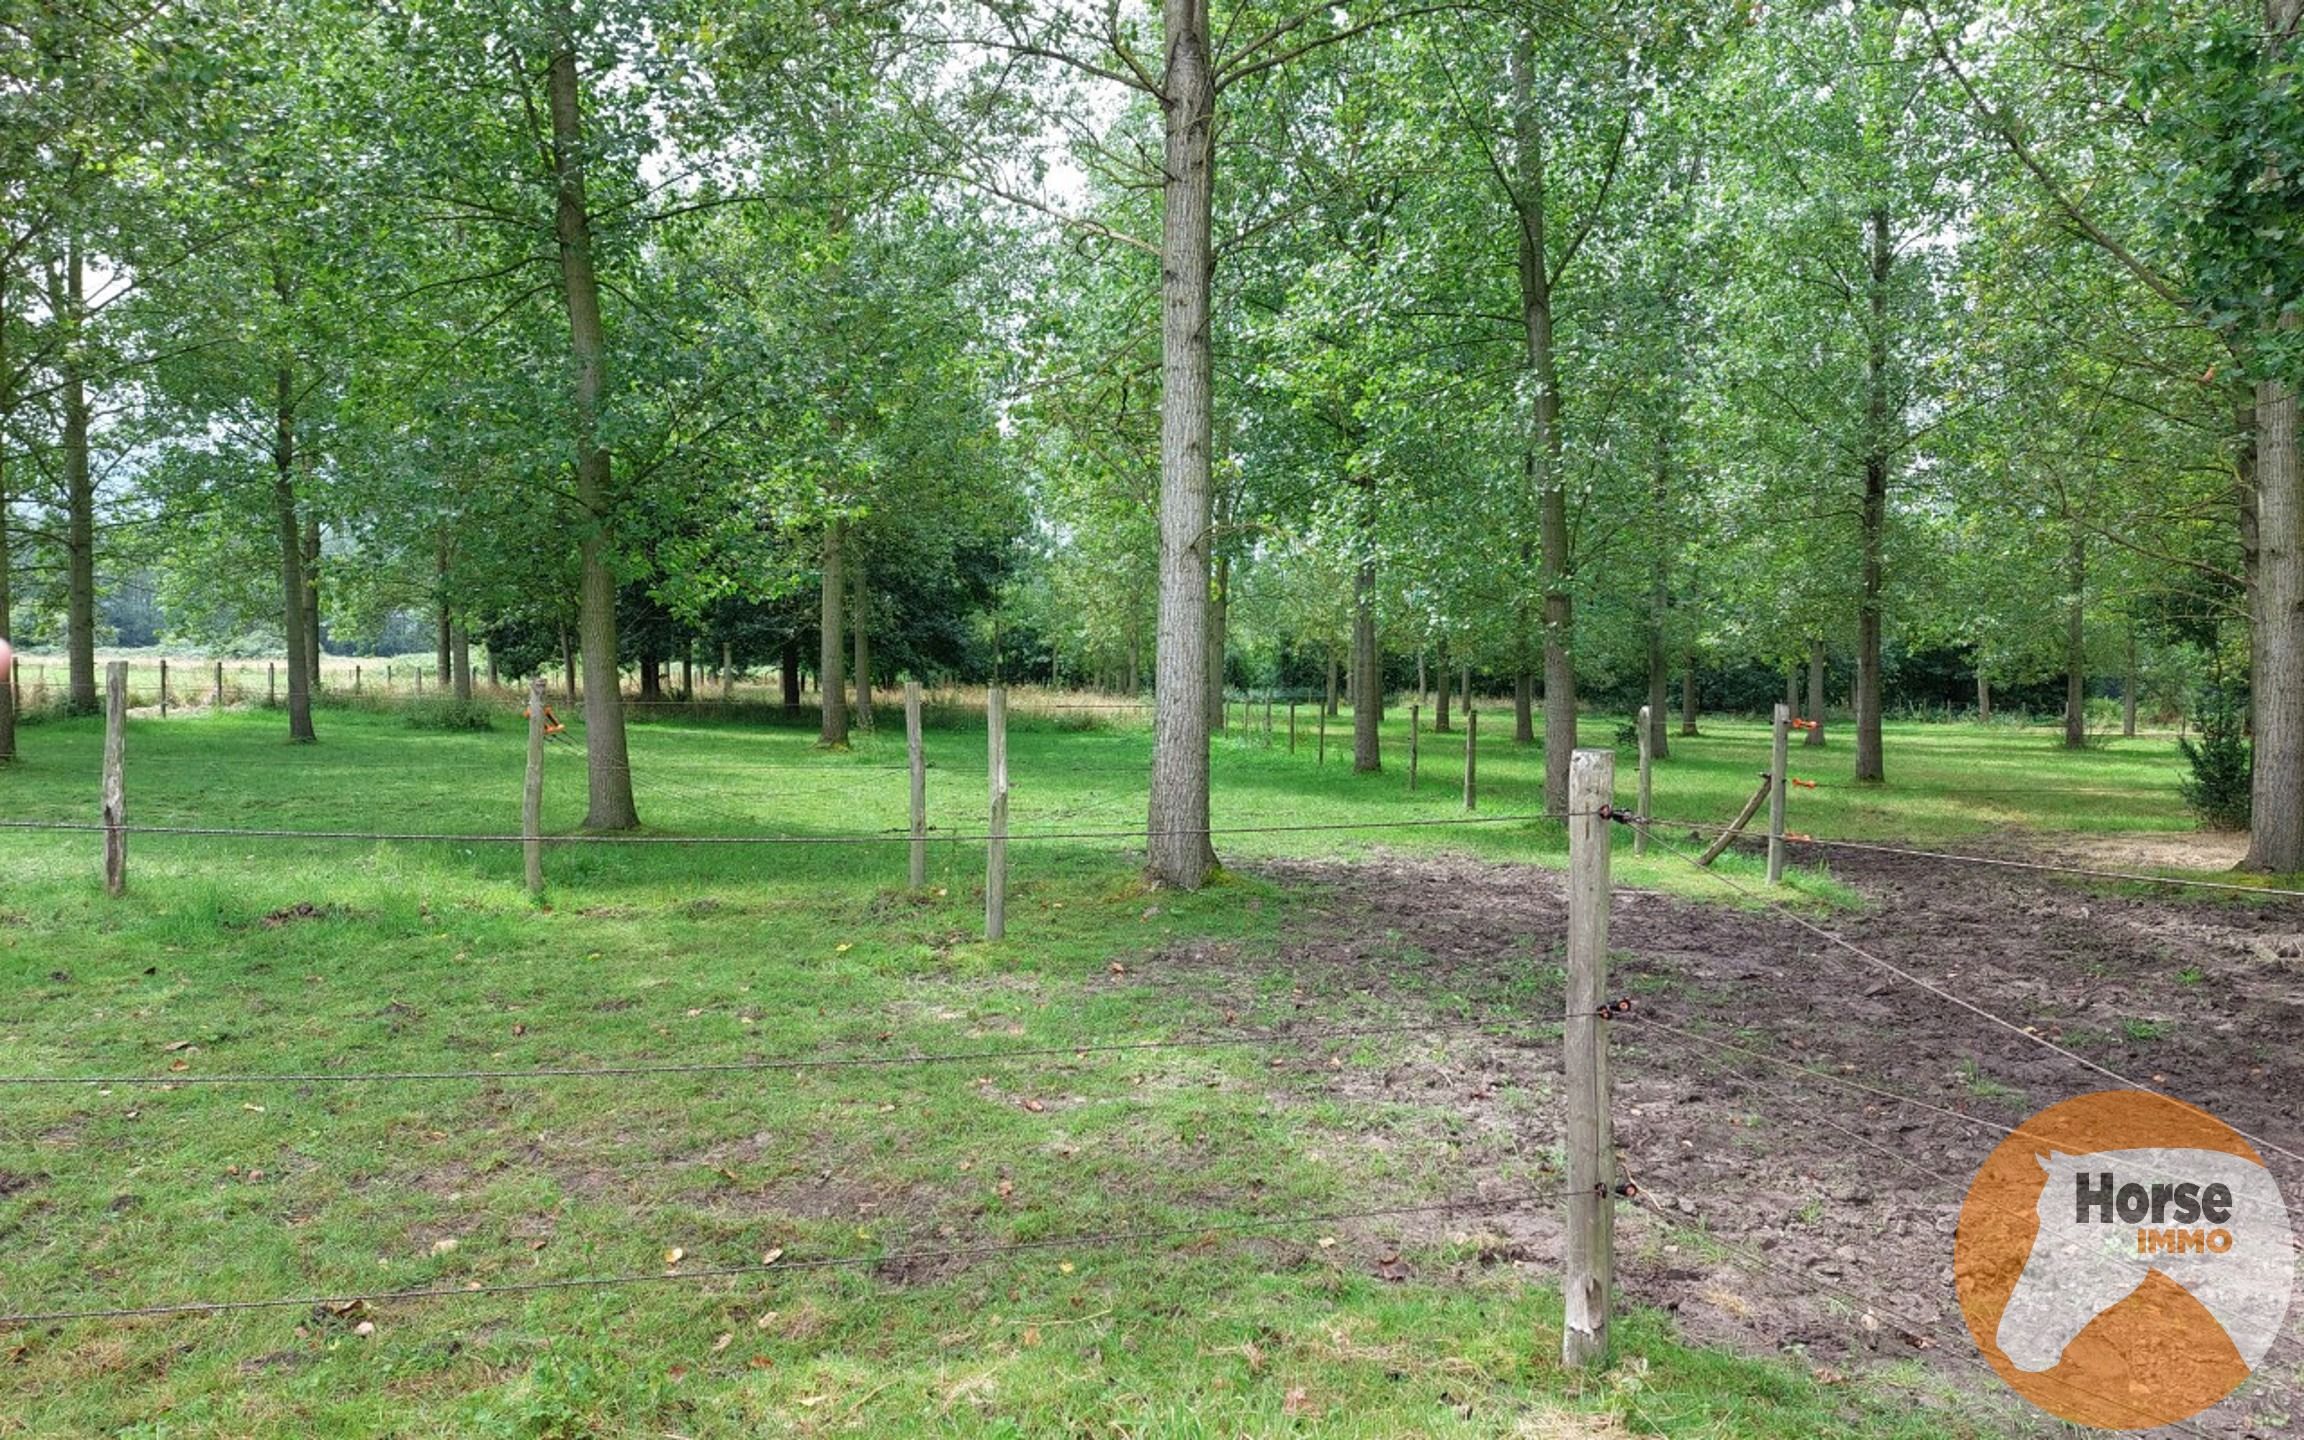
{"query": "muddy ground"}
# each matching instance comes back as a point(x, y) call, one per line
point(1782, 1212)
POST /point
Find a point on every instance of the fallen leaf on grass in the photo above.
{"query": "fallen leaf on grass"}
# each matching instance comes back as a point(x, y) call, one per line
point(1296, 1402)
point(1034, 1106)
point(444, 1247)
point(365, 1327)
point(770, 1258)
point(1327, 1242)
point(726, 1339)
point(675, 1255)
point(175, 1045)
point(810, 1402)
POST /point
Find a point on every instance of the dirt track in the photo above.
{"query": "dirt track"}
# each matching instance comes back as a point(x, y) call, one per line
point(1834, 1210)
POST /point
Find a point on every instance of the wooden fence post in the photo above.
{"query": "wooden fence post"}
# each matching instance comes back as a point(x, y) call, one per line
point(1323, 756)
point(115, 803)
point(1471, 758)
point(419, 682)
point(918, 761)
point(1412, 728)
point(355, 679)
point(1779, 758)
point(1647, 758)
point(218, 702)
point(532, 795)
point(163, 687)
point(1590, 1278)
point(1291, 727)
point(996, 833)
point(272, 683)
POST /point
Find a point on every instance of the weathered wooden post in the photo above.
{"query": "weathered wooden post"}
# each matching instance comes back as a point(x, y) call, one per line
point(218, 701)
point(1291, 727)
point(727, 671)
point(1267, 719)
point(1590, 1277)
point(115, 804)
point(1646, 793)
point(272, 683)
point(163, 687)
point(1471, 758)
point(355, 678)
point(387, 679)
point(1322, 758)
point(915, 757)
point(419, 682)
point(1412, 729)
point(532, 796)
point(996, 833)
point(1779, 757)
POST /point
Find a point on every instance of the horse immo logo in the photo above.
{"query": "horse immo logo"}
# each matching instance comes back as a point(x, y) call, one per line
point(2123, 1259)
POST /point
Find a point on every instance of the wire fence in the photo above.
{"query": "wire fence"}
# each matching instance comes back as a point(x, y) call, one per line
point(1644, 1023)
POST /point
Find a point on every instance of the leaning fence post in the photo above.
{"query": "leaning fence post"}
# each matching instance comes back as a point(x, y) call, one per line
point(1591, 1231)
point(1412, 728)
point(1779, 759)
point(1647, 758)
point(996, 833)
point(115, 780)
point(914, 757)
point(1471, 758)
point(532, 796)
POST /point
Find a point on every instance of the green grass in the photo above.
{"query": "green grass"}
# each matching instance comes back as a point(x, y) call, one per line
point(256, 955)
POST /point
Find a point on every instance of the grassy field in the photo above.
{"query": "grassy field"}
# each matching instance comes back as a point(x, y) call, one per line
point(236, 955)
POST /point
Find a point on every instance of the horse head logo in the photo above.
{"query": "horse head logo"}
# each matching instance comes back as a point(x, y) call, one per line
point(2212, 1221)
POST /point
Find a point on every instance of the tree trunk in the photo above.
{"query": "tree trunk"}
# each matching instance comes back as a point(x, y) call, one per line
point(568, 663)
point(1688, 693)
point(1524, 708)
point(1544, 441)
point(460, 648)
point(2276, 633)
point(312, 595)
point(2075, 642)
point(79, 498)
point(291, 537)
point(1983, 698)
point(831, 684)
point(444, 633)
point(607, 762)
point(1441, 681)
point(1178, 849)
point(1659, 668)
point(1367, 672)
point(2128, 686)
point(1423, 685)
point(1815, 738)
point(1870, 760)
point(789, 662)
point(860, 623)
point(651, 668)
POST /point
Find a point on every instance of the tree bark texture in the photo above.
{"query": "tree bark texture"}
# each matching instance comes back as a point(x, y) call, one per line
point(831, 624)
point(290, 533)
point(1870, 760)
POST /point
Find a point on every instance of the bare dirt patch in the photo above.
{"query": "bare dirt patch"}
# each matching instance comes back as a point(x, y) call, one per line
point(1784, 1210)
point(2180, 850)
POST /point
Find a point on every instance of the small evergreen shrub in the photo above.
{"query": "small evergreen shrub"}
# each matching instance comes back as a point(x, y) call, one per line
point(2221, 762)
